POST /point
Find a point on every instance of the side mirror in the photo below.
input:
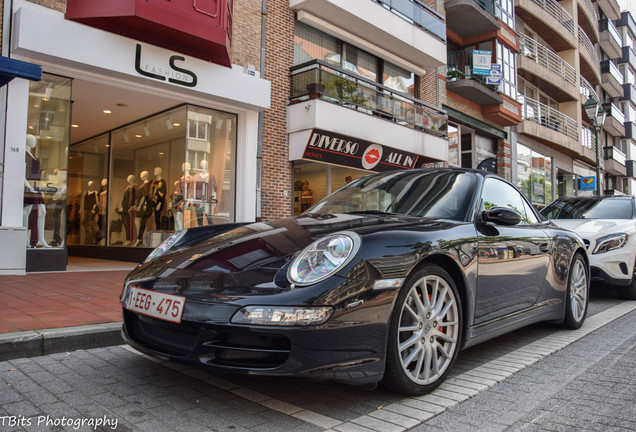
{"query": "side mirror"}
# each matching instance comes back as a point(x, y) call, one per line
point(501, 216)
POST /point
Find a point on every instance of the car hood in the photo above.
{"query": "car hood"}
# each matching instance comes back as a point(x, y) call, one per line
point(253, 254)
point(594, 228)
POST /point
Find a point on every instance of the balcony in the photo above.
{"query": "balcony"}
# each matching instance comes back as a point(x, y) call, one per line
point(611, 79)
point(610, 8)
point(327, 97)
point(627, 20)
point(462, 81)
point(587, 90)
point(550, 20)
point(545, 69)
point(614, 161)
point(629, 93)
point(549, 126)
point(588, 17)
point(590, 64)
point(610, 40)
point(467, 18)
point(614, 122)
point(628, 57)
point(406, 29)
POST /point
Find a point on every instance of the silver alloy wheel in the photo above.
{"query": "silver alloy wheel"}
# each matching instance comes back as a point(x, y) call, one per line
point(428, 330)
point(578, 290)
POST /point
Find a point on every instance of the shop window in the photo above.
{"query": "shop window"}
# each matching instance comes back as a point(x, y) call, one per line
point(46, 158)
point(314, 181)
point(168, 172)
point(534, 176)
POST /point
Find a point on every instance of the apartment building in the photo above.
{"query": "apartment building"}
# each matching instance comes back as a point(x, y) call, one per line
point(355, 90)
point(569, 53)
point(626, 27)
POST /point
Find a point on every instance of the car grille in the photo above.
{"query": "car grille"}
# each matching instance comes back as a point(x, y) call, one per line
point(227, 349)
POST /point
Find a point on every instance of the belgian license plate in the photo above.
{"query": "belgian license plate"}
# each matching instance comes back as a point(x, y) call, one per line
point(166, 307)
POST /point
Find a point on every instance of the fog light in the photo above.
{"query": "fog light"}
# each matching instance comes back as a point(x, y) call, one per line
point(282, 315)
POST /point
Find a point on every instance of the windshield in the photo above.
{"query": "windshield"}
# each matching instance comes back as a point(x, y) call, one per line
point(590, 208)
point(440, 194)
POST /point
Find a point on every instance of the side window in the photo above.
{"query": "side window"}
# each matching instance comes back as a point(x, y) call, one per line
point(497, 193)
point(531, 217)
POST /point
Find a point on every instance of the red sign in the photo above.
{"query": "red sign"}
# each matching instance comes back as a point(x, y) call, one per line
point(199, 28)
point(343, 150)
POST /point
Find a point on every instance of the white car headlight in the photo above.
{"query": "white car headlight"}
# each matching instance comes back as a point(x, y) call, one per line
point(323, 258)
point(165, 245)
point(282, 315)
point(610, 242)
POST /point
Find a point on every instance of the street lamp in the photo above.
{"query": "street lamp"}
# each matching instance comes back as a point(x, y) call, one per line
point(596, 113)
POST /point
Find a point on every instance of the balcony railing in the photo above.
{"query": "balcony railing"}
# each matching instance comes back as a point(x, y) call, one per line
point(556, 10)
point(609, 66)
point(591, 9)
point(459, 65)
point(547, 116)
point(614, 111)
point(317, 79)
point(587, 90)
point(608, 25)
point(547, 58)
point(587, 137)
point(418, 14)
point(589, 47)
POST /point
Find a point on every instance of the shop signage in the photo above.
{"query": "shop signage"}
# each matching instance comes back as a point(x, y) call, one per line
point(174, 74)
point(329, 147)
point(495, 74)
point(587, 183)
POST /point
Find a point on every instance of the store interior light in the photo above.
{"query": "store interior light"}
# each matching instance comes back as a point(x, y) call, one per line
point(125, 136)
point(176, 124)
point(146, 129)
point(107, 111)
point(168, 123)
point(74, 126)
point(138, 135)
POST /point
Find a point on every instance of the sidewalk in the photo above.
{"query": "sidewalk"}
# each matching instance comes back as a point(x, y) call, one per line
point(39, 304)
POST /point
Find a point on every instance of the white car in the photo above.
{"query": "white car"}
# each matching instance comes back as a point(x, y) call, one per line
point(607, 225)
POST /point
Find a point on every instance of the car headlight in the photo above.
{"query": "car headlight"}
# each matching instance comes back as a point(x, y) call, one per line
point(282, 315)
point(610, 242)
point(165, 245)
point(323, 258)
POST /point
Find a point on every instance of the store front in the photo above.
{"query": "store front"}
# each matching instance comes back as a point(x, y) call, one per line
point(330, 160)
point(125, 143)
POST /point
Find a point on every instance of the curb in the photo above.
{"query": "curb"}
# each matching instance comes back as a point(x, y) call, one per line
point(33, 343)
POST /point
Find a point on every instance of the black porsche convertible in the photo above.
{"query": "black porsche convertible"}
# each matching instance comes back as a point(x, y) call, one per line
point(385, 280)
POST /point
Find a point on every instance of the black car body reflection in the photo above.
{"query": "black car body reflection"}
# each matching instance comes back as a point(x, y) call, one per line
point(387, 278)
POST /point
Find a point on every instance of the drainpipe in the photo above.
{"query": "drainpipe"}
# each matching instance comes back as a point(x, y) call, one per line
point(259, 148)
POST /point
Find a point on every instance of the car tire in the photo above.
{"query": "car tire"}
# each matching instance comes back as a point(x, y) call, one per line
point(628, 292)
point(424, 333)
point(578, 293)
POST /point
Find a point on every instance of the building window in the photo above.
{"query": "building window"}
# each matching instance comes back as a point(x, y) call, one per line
point(136, 184)
point(507, 59)
point(313, 44)
point(508, 13)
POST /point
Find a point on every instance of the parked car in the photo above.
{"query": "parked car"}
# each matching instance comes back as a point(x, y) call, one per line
point(607, 225)
point(385, 279)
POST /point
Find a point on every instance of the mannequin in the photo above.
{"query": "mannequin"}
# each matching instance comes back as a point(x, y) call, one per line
point(128, 209)
point(59, 206)
point(143, 209)
point(181, 188)
point(33, 199)
point(204, 190)
point(158, 189)
point(101, 207)
point(89, 208)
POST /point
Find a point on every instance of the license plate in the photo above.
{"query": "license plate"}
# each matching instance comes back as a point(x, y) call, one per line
point(166, 307)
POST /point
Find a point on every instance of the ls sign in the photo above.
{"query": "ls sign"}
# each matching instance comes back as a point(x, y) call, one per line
point(329, 147)
point(174, 73)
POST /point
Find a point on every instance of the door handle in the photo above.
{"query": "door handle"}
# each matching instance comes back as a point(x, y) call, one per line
point(544, 247)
